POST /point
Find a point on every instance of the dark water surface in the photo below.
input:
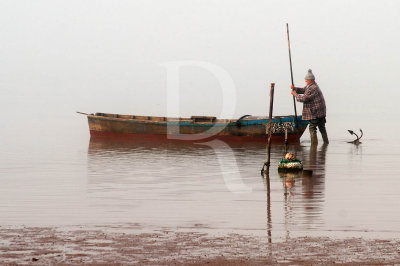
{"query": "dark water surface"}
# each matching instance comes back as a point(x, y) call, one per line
point(61, 177)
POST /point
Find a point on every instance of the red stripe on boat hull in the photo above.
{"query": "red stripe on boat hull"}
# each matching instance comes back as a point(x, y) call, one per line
point(98, 135)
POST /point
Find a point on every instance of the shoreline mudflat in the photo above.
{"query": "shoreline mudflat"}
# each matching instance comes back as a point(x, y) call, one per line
point(105, 246)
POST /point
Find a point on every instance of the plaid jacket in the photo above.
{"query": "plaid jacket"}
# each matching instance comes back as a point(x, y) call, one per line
point(313, 101)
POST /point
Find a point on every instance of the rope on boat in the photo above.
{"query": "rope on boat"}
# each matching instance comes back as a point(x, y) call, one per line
point(238, 123)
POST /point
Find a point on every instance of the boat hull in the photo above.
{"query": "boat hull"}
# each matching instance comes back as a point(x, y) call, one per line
point(247, 129)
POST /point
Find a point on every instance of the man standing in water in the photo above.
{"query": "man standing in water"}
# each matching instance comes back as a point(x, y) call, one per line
point(314, 108)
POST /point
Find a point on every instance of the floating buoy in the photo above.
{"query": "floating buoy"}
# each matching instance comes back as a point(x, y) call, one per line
point(290, 164)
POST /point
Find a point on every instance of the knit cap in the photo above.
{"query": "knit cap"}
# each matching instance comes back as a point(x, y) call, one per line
point(309, 75)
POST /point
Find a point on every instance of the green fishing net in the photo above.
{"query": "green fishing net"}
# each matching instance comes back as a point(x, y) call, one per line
point(290, 165)
point(289, 161)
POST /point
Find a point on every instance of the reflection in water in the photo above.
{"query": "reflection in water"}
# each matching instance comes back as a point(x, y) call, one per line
point(194, 181)
point(267, 183)
point(289, 180)
point(311, 190)
point(314, 186)
point(356, 149)
point(229, 168)
point(185, 184)
point(181, 185)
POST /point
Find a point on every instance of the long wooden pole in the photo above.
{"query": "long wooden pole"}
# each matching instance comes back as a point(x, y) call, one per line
point(291, 71)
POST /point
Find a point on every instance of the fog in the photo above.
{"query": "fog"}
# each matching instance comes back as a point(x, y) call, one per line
point(58, 57)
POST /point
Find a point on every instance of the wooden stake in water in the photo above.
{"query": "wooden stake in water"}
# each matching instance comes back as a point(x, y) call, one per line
point(271, 107)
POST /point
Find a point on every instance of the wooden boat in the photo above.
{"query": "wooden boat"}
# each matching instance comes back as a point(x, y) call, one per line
point(195, 128)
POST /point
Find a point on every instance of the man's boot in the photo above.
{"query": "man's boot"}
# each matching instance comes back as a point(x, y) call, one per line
point(314, 138)
point(325, 137)
point(312, 127)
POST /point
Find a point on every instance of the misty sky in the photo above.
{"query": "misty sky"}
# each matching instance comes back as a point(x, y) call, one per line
point(58, 57)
